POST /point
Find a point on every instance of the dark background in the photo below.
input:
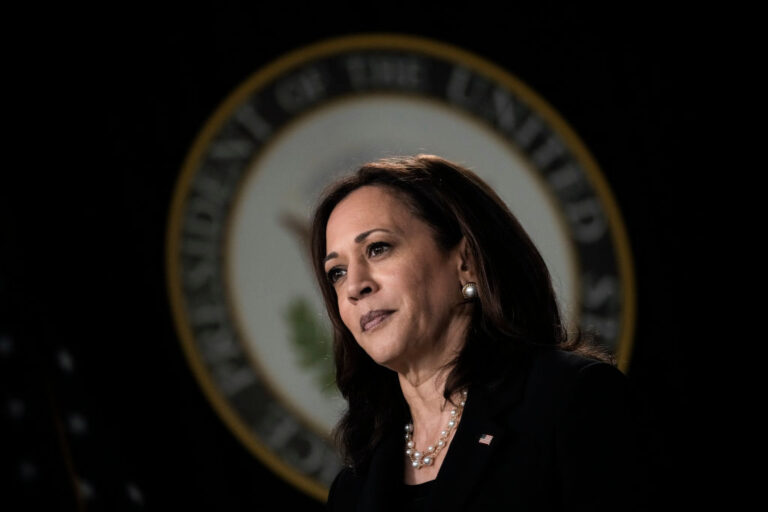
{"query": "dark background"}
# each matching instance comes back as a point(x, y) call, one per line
point(95, 388)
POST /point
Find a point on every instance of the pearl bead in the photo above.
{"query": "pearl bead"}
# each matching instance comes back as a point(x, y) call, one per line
point(427, 458)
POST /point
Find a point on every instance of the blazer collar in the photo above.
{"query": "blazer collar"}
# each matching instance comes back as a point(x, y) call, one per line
point(465, 459)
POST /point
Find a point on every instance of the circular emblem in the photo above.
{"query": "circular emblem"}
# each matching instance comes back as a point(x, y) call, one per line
point(246, 306)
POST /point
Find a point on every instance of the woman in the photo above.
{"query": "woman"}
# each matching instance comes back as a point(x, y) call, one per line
point(464, 389)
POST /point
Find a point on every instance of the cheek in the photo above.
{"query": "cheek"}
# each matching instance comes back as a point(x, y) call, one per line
point(346, 317)
point(438, 291)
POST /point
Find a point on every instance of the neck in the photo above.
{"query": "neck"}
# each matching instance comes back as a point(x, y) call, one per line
point(422, 381)
point(430, 411)
point(424, 395)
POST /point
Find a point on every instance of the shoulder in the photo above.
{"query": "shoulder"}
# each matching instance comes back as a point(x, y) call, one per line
point(580, 389)
point(596, 434)
point(557, 381)
point(554, 359)
point(567, 368)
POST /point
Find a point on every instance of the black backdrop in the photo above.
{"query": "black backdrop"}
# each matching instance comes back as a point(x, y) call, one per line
point(102, 409)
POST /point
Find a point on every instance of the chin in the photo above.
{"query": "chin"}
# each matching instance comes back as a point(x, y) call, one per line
point(381, 359)
point(385, 348)
point(386, 359)
point(394, 363)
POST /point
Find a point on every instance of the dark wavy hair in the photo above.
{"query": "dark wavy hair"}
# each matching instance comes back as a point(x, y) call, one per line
point(515, 314)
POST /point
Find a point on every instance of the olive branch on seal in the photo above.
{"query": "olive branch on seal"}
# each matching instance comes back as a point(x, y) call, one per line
point(308, 334)
point(312, 341)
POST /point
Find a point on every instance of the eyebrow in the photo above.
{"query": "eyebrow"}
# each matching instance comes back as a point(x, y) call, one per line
point(359, 238)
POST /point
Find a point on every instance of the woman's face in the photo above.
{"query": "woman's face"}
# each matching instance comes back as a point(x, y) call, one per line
point(398, 293)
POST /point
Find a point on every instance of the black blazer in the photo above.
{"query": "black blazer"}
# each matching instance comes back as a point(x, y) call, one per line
point(564, 438)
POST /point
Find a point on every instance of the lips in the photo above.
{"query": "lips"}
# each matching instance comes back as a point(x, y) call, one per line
point(373, 318)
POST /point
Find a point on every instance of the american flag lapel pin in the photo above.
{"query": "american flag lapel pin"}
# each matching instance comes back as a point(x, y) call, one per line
point(485, 439)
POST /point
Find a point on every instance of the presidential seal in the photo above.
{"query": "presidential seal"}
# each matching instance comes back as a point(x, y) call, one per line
point(248, 312)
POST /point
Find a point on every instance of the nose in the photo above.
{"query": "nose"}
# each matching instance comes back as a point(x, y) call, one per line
point(360, 282)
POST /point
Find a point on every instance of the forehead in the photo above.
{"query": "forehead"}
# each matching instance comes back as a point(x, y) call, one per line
point(366, 208)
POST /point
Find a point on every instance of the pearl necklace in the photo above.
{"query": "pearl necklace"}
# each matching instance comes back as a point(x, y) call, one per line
point(427, 458)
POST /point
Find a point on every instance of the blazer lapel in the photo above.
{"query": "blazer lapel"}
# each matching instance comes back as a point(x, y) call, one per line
point(467, 458)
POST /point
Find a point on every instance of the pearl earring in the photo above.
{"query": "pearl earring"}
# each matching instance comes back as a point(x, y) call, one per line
point(469, 291)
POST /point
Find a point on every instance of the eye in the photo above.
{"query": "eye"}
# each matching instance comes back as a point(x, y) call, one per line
point(335, 274)
point(377, 248)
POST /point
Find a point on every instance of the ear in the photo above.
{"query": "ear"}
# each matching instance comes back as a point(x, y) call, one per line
point(466, 264)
